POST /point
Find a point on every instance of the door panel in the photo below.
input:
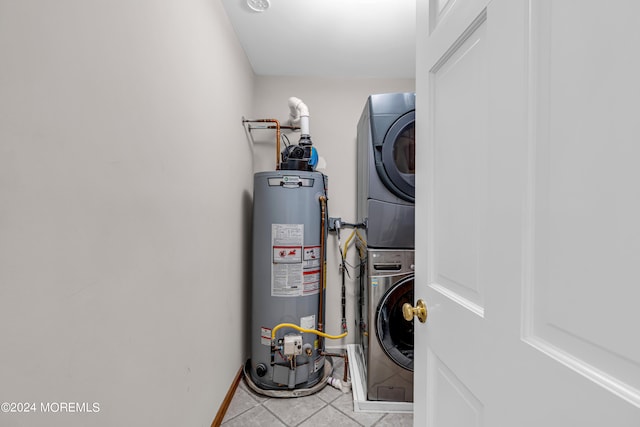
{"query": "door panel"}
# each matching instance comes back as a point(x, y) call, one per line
point(527, 207)
point(437, 11)
point(454, 404)
point(459, 85)
point(584, 234)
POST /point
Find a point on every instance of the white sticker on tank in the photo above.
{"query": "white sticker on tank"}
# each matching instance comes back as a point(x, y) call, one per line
point(286, 280)
point(308, 322)
point(286, 267)
point(287, 254)
point(287, 234)
point(311, 262)
point(311, 256)
point(265, 336)
point(311, 282)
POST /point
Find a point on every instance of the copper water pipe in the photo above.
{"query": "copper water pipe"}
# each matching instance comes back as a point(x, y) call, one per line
point(277, 127)
point(277, 140)
point(323, 271)
point(345, 356)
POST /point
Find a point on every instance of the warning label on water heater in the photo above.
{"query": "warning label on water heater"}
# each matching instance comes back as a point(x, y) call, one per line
point(295, 270)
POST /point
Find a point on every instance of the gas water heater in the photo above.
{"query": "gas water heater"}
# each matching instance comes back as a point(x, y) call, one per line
point(287, 283)
point(288, 274)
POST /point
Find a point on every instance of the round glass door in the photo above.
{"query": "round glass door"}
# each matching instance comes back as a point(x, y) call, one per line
point(398, 157)
point(395, 334)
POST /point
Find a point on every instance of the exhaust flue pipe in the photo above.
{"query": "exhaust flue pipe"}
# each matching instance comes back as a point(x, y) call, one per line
point(299, 113)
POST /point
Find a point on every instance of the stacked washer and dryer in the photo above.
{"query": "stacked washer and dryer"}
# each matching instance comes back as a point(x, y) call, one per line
point(386, 194)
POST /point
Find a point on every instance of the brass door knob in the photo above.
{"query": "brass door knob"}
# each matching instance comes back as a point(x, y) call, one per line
point(420, 311)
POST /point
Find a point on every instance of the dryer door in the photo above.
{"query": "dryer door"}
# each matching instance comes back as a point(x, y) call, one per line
point(396, 165)
point(394, 333)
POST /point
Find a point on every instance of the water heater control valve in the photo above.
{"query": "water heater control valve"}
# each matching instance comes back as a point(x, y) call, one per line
point(292, 345)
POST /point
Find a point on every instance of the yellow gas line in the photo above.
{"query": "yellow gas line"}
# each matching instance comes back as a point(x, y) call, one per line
point(308, 331)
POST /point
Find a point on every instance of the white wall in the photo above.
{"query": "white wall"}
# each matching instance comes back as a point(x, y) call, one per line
point(125, 200)
point(125, 182)
point(335, 106)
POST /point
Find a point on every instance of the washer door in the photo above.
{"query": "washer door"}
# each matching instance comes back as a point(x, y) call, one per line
point(395, 334)
point(396, 163)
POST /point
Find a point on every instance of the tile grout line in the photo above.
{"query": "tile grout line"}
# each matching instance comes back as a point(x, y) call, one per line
point(253, 399)
point(302, 421)
point(347, 415)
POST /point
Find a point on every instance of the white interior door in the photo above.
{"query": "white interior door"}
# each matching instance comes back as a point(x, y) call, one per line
point(528, 213)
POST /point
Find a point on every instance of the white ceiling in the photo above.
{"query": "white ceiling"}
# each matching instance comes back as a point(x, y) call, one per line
point(330, 38)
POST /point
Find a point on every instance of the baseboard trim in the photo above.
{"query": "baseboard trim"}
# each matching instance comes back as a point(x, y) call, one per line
point(227, 399)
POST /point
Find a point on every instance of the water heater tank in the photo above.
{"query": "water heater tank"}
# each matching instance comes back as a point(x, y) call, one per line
point(286, 278)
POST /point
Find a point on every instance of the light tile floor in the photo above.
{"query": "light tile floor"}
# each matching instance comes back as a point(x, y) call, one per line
point(328, 407)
